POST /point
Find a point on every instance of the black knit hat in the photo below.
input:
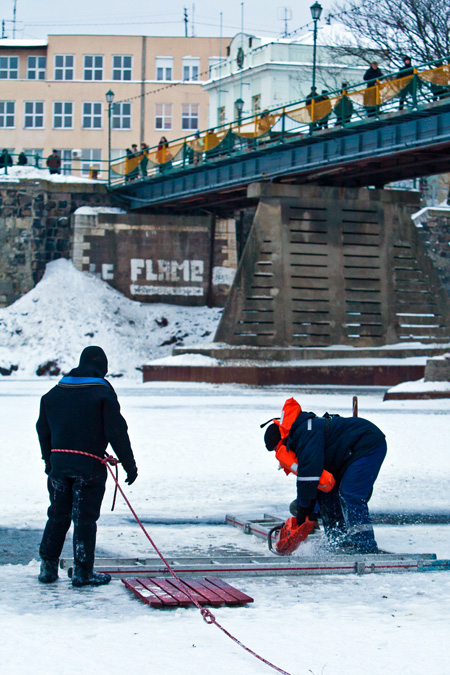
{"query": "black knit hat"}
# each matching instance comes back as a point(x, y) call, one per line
point(272, 436)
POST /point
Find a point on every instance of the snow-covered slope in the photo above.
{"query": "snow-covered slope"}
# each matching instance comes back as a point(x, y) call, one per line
point(69, 310)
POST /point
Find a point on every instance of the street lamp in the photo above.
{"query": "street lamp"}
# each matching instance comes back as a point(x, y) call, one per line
point(109, 100)
point(239, 103)
point(316, 11)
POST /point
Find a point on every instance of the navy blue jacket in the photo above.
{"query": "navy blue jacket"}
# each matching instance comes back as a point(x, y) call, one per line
point(328, 443)
point(82, 413)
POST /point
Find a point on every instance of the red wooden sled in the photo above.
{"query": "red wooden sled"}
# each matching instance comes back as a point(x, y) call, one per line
point(159, 592)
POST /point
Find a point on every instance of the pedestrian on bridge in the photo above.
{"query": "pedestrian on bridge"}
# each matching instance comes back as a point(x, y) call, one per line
point(405, 71)
point(77, 420)
point(371, 76)
point(352, 449)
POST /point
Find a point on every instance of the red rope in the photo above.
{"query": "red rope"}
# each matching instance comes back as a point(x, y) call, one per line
point(207, 615)
point(107, 459)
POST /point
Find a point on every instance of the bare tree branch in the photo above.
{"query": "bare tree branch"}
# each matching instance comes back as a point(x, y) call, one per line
point(416, 28)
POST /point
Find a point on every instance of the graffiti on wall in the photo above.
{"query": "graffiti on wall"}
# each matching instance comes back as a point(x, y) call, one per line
point(178, 274)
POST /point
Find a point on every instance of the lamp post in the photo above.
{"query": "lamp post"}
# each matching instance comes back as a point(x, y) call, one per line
point(316, 11)
point(239, 103)
point(109, 100)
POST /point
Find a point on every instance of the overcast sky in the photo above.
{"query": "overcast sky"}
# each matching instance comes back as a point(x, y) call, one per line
point(39, 18)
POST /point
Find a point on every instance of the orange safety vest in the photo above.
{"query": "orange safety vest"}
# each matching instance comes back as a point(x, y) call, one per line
point(287, 458)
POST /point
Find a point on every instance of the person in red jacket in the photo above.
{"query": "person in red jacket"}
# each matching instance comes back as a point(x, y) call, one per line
point(352, 449)
point(54, 162)
point(81, 414)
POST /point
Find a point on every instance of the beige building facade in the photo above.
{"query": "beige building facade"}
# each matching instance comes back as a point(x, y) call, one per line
point(53, 94)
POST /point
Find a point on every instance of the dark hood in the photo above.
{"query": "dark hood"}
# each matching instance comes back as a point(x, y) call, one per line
point(93, 363)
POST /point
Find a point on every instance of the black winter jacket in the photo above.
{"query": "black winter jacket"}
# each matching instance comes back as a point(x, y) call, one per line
point(331, 444)
point(371, 75)
point(82, 413)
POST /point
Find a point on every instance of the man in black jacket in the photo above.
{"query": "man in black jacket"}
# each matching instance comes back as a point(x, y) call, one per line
point(353, 450)
point(82, 414)
point(371, 76)
point(406, 70)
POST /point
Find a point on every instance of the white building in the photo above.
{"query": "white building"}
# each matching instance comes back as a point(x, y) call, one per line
point(267, 74)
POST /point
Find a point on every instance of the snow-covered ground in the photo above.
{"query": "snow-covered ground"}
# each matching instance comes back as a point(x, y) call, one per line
point(200, 456)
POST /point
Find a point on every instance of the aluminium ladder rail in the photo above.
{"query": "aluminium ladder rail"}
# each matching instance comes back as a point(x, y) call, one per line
point(248, 565)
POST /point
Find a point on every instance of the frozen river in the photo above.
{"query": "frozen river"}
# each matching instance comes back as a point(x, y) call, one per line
point(200, 456)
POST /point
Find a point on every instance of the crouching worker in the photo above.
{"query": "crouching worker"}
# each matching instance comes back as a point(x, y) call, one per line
point(81, 414)
point(352, 449)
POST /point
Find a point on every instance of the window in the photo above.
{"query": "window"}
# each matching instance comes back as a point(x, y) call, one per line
point(163, 116)
point(122, 66)
point(189, 115)
point(191, 68)
point(117, 154)
point(164, 68)
point(93, 67)
point(7, 114)
point(34, 155)
point(62, 115)
point(36, 67)
point(121, 116)
point(9, 67)
point(92, 115)
point(64, 66)
point(66, 162)
point(90, 159)
point(34, 115)
point(256, 103)
point(221, 117)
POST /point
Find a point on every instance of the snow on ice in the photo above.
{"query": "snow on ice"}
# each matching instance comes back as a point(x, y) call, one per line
point(200, 455)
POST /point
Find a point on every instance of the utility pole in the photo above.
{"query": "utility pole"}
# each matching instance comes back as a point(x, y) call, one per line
point(287, 17)
point(14, 19)
point(185, 22)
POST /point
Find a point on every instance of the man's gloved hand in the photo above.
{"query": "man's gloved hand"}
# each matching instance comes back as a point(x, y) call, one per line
point(131, 475)
point(48, 467)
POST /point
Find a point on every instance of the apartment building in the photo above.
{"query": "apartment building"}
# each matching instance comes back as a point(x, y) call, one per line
point(52, 93)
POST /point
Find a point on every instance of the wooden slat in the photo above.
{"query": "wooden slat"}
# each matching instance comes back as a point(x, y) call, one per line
point(234, 592)
point(172, 590)
point(142, 592)
point(210, 594)
point(166, 599)
point(219, 593)
point(187, 591)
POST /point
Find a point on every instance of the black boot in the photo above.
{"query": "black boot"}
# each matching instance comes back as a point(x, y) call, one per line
point(49, 571)
point(82, 577)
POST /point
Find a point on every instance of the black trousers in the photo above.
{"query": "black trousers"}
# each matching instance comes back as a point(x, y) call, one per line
point(73, 498)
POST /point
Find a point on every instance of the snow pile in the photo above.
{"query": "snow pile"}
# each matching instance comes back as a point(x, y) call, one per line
point(93, 210)
point(17, 173)
point(69, 310)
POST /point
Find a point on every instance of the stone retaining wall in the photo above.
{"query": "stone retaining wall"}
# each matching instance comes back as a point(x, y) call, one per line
point(35, 228)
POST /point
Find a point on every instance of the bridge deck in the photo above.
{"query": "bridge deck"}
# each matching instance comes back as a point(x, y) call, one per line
point(396, 146)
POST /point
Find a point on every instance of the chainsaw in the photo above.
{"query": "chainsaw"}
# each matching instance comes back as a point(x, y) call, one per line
point(285, 539)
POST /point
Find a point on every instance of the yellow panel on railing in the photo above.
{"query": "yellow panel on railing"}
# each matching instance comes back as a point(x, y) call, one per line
point(437, 75)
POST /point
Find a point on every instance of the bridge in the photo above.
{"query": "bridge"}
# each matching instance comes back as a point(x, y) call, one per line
point(397, 129)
